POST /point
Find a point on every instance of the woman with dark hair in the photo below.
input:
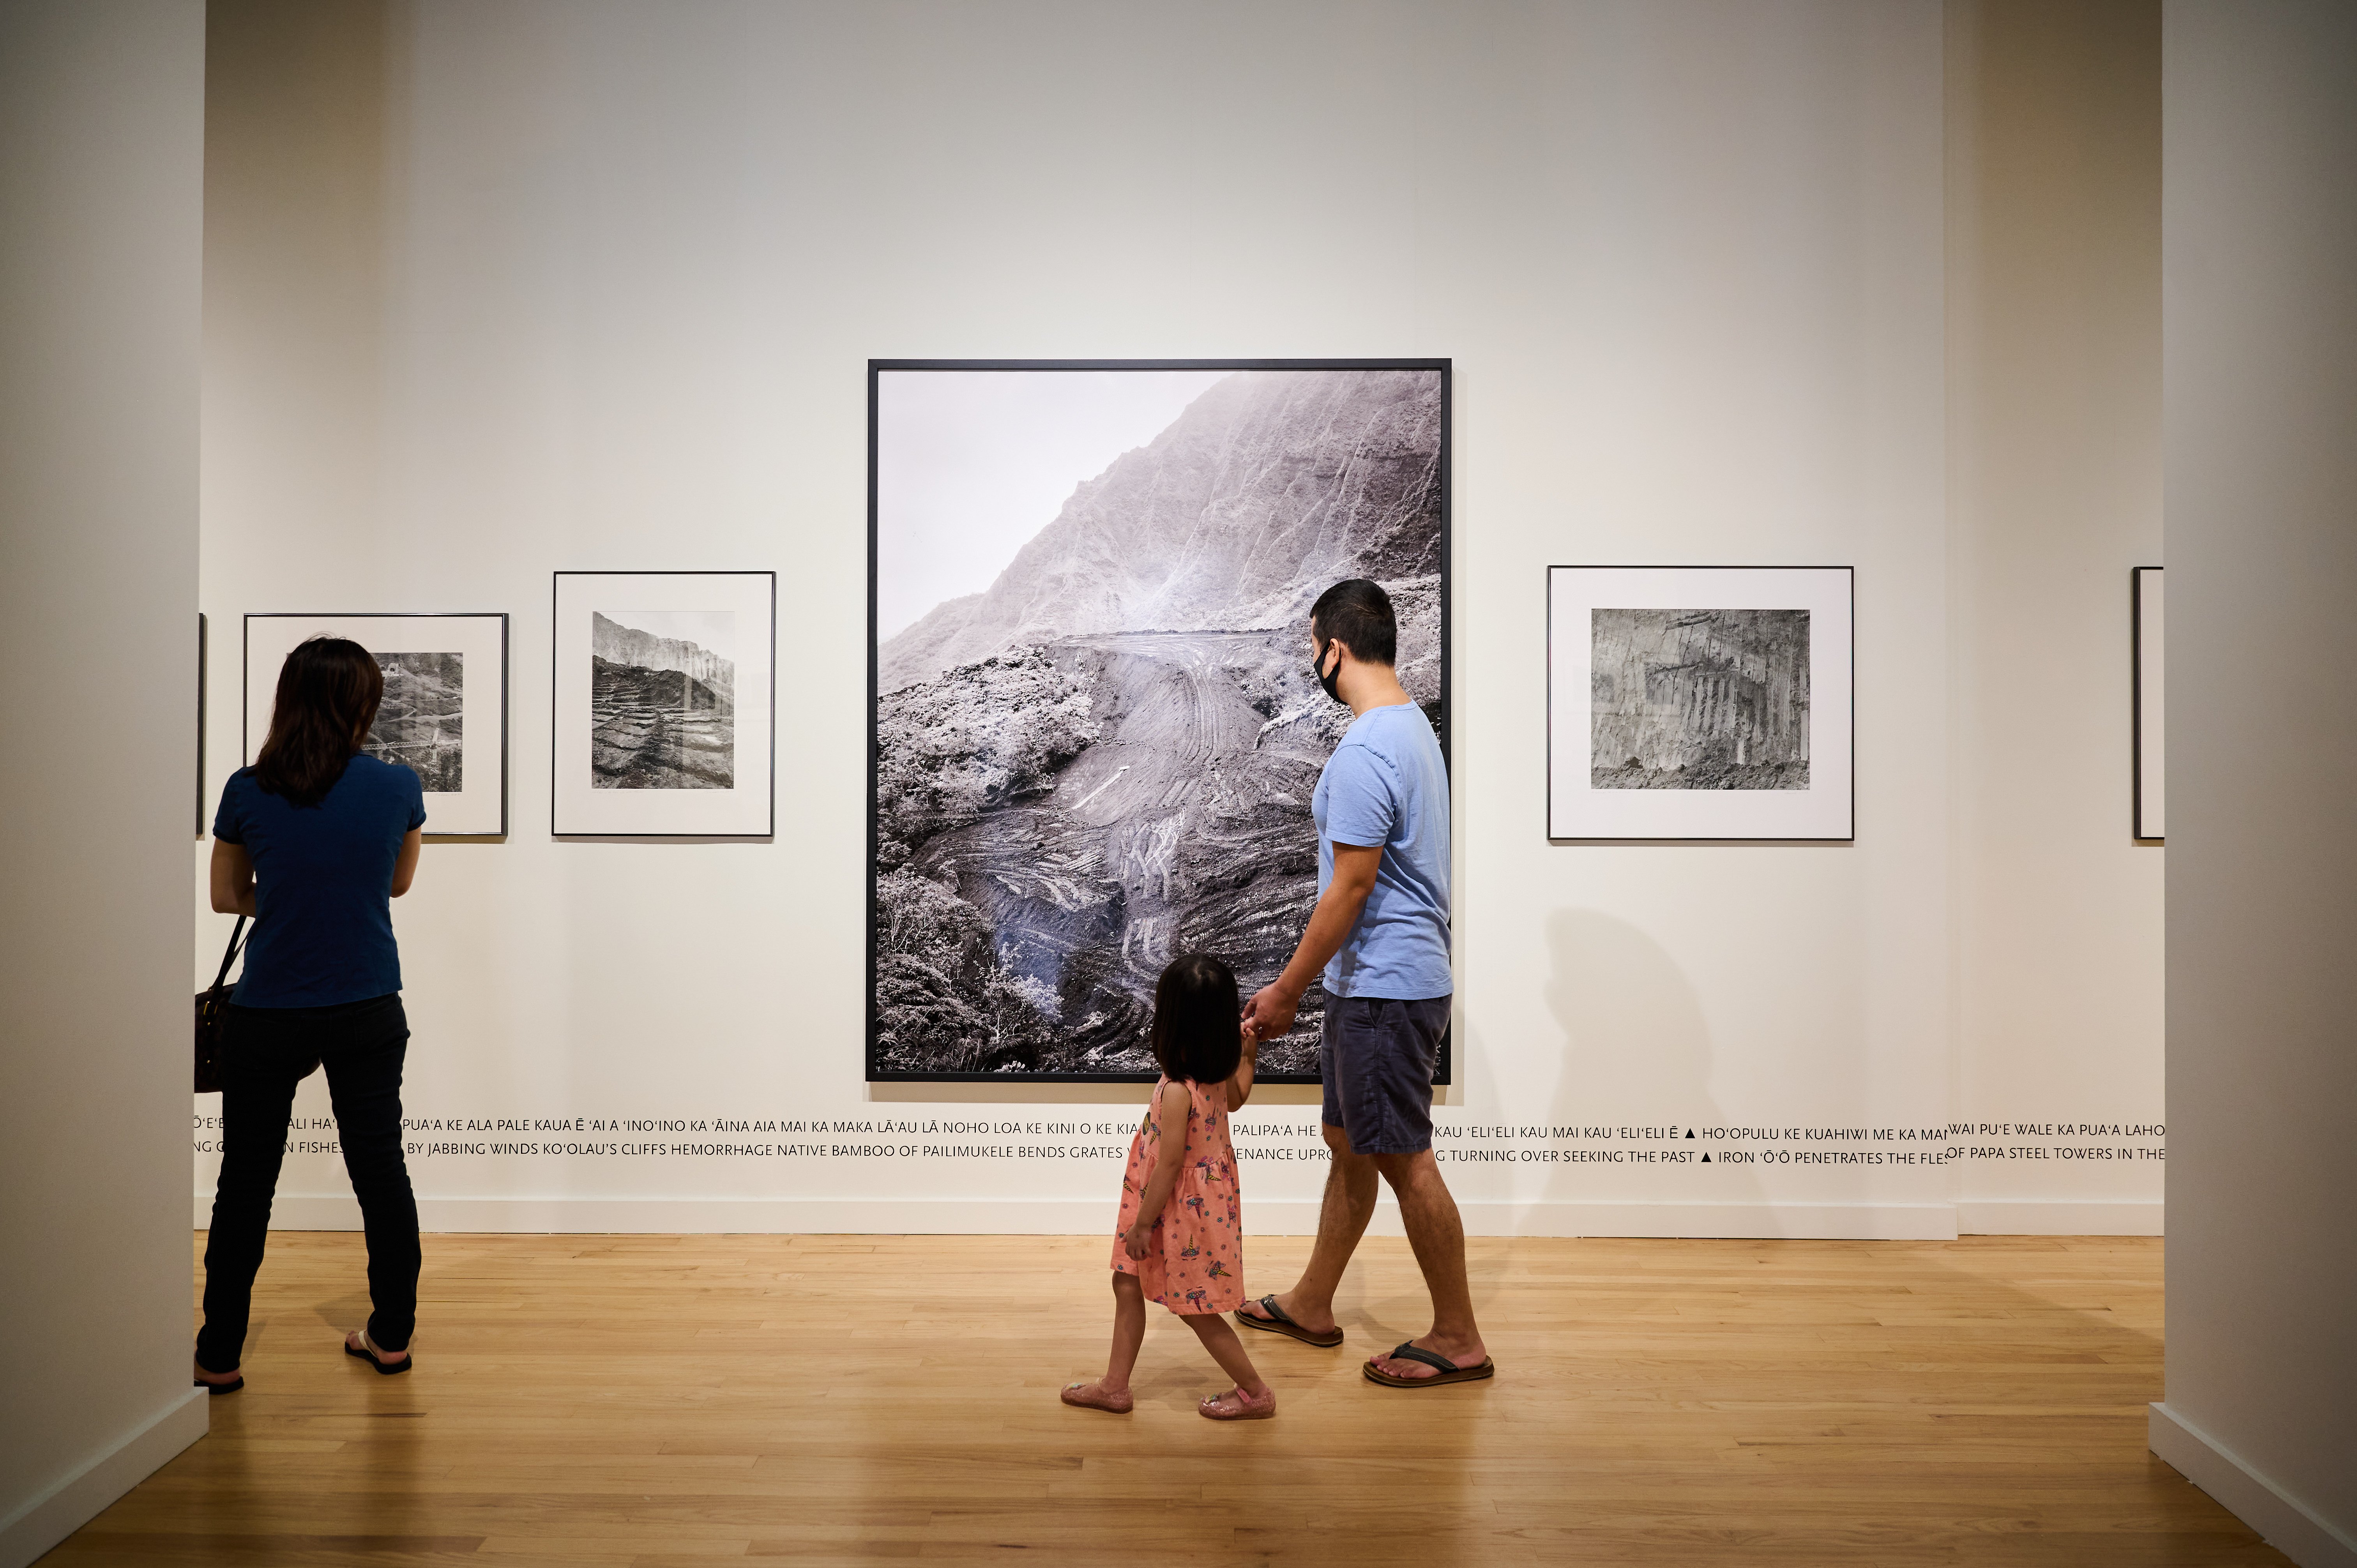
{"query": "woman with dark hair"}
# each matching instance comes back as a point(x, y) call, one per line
point(312, 842)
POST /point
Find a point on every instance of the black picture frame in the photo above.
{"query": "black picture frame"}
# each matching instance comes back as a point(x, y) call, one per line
point(203, 640)
point(245, 705)
point(1846, 837)
point(2147, 821)
point(876, 1073)
point(556, 598)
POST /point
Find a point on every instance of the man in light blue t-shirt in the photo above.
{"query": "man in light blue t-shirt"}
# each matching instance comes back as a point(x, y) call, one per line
point(1380, 936)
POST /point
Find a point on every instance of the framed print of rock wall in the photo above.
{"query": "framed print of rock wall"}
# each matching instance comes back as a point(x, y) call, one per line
point(444, 712)
point(1096, 729)
point(1700, 703)
point(663, 716)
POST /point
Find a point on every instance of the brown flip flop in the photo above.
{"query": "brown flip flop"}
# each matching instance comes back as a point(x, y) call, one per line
point(1446, 1371)
point(1278, 1322)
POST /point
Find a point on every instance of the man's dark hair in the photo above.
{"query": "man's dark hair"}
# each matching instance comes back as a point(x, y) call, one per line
point(1197, 1032)
point(328, 690)
point(1357, 614)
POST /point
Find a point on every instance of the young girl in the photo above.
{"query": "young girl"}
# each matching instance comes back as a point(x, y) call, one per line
point(1180, 1236)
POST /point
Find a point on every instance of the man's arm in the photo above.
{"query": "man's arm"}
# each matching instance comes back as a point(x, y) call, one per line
point(1270, 1012)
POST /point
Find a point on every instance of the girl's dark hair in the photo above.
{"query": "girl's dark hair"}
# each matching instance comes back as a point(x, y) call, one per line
point(1198, 1020)
point(328, 690)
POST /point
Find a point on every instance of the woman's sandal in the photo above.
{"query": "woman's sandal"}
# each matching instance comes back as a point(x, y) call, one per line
point(1279, 1321)
point(1088, 1396)
point(1246, 1407)
point(236, 1382)
point(368, 1352)
point(1444, 1370)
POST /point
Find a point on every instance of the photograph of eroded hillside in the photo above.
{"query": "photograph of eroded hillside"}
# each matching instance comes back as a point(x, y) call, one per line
point(1096, 729)
point(421, 721)
point(663, 697)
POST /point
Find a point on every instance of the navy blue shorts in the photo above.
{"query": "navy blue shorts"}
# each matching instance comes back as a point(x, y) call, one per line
point(1377, 1056)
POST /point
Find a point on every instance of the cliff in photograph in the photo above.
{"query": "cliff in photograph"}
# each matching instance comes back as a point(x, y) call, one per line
point(1270, 486)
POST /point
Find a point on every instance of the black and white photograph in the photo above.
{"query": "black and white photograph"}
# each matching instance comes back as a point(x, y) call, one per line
point(443, 714)
point(422, 720)
point(1698, 702)
point(2146, 608)
point(1096, 726)
point(663, 697)
point(664, 717)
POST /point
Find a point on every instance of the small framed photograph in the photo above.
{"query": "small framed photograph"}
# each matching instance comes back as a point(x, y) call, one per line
point(663, 715)
point(2151, 775)
point(1700, 703)
point(444, 712)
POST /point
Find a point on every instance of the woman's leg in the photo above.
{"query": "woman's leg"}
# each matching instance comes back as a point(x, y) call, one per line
point(257, 1099)
point(364, 1084)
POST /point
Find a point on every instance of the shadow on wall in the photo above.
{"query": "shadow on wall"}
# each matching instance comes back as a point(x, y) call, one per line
point(1636, 1051)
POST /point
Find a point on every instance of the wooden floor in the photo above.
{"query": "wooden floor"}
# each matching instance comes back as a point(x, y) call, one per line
point(678, 1399)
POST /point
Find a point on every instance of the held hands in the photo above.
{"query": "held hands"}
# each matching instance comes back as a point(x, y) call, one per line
point(1270, 1012)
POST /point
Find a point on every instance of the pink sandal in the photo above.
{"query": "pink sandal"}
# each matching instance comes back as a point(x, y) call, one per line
point(1088, 1396)
point(1246, 1407)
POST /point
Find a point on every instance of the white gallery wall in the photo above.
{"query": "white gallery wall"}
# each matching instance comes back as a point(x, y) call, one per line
point(2262, 365)
point(102, 117)
point(498, 289)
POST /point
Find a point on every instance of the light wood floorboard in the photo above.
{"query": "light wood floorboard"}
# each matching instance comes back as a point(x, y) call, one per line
point(636, 1401)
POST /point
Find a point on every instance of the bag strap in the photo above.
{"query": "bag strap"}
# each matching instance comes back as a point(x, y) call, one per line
point(236, 937)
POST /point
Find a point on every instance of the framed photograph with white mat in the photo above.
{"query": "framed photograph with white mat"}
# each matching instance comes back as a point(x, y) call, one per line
point(444, 712)
point(1703, 703)
point(664, 713)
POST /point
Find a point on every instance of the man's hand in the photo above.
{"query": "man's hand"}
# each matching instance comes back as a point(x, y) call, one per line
point(1270, 1012)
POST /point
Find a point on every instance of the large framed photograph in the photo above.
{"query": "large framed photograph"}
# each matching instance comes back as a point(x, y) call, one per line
point(444, 712)
point(663, 718)
point(1096, 726)
point(1700, 703)
point(2147, 627)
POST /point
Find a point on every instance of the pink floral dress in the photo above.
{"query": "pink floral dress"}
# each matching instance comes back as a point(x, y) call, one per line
point(1195, 1253)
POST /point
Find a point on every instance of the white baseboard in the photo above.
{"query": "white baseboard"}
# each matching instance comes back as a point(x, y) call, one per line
point(81, 1497)
point(950, 1216)
point(2286, 1525)
point(2057, 1218)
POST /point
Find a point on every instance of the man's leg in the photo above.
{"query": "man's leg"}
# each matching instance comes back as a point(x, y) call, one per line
point(1438, 1235)
point(1342, 1219)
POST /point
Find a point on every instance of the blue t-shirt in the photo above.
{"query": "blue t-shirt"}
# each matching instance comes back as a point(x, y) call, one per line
point(322, 884)
point(1386, 785)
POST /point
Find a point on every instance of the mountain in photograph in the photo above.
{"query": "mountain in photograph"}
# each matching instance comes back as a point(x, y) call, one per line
point(419, 722)
point(1106, 758)
point(1270, 487)
point(662, 711)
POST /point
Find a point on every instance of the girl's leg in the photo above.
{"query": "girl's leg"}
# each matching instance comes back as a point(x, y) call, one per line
point(1129, 1332)
point(1111, 1391)
point(1220, 1340)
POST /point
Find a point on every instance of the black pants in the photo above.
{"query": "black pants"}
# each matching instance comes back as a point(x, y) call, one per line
point(265, 1052)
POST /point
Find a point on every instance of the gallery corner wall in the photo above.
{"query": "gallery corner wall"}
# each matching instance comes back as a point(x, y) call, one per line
point(100, 125)
point(499, 291)
point(2261, 1405)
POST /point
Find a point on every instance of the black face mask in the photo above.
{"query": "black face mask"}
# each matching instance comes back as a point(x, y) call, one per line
point(1330, 683)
